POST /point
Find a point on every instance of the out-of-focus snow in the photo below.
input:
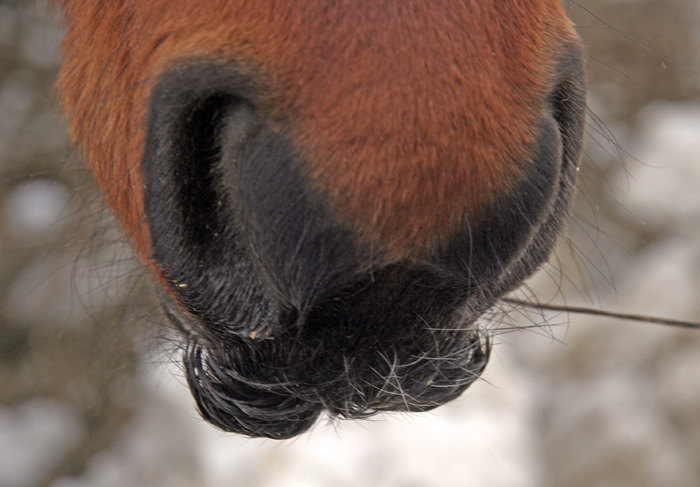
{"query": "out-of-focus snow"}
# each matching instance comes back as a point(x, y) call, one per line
point(33, 437)
point(485, 438)
point(663, 185)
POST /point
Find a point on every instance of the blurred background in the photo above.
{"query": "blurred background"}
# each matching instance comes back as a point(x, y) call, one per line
point(89, 396)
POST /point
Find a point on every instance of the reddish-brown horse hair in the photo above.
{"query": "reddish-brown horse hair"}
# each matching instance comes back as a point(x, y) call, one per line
point(329, 175)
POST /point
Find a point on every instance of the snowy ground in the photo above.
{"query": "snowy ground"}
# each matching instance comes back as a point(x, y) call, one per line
point(596, 402)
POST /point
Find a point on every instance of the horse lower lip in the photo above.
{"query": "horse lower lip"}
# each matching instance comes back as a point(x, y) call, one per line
point(261, 388)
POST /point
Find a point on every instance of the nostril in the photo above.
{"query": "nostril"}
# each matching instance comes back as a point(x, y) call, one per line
point(487, 248)
point(516, 233)
point(194, 111)
point(236, 227)
point(196, 149)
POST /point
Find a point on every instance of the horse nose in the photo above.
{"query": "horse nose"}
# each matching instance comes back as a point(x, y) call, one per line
point(239, 235)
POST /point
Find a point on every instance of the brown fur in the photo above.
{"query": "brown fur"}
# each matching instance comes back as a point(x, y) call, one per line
point(417, 137)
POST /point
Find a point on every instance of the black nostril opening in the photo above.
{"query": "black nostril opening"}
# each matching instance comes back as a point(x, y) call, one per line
point(195, 110)
point(198, 146)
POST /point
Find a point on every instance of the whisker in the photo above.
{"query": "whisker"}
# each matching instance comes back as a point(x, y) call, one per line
point(610, 314)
